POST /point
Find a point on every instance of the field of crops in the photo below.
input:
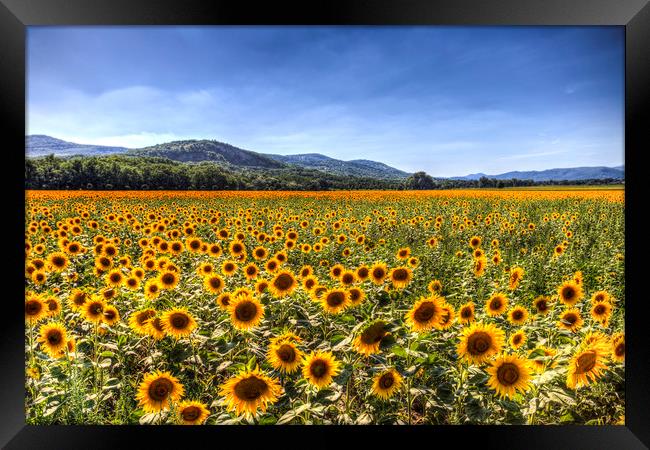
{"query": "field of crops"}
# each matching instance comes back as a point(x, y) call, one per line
point(443, 307)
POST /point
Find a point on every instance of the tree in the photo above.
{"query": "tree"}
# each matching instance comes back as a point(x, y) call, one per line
point(420, 181)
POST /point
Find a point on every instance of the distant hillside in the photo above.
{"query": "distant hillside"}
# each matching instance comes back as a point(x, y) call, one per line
point(204, 150)
point(41, 145)
point(569, 174)
point(357, 167)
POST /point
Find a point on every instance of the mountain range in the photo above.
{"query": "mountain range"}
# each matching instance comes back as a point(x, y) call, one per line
point(234, 158)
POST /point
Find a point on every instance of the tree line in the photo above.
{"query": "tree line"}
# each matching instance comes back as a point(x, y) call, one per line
point(118, 172)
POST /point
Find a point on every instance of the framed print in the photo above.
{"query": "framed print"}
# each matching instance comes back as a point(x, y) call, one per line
point(348, 220)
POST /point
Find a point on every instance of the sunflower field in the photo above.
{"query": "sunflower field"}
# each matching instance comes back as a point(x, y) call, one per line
point(376, 307)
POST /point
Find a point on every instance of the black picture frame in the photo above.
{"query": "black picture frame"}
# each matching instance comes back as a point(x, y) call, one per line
point(634, 15)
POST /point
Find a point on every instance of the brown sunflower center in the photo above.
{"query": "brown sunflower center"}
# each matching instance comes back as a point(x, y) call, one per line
point(378, 273)
point(600, 309)
point(195, 245)
point(508, 374)
point(386, 380)
point(400, 274)
point(191, 413)
point(96, 308)
point(33, 307)
point(318, 368)
point(478, 343)
point(347, 278)
point(54, 337)
point(517, 339)
point(425, 312)
point(495, 304)
point(517, 314)
point(237, 248)
point(229, 267)
point(144, 316)
point(110, 314)
point(250, 270)
point(620, 349)
point(160, 389)
point(335, 298)
point(571, 318)
point(179, 320)
point(246, 311)
point(336, 272)
point(355, 294)
point(157, 324)
point(374, 333)
point(541, 305)
point(466, 313)
point(250, 388)
point(568, 293)
point(215, 282)
point(283, 282)
point(586, 362)
point(286, 353)
point(168, 278)
point(310, 283)
point(58, 261)
point(115, 277)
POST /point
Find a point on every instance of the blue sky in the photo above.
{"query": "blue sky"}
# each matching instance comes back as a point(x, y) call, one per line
point(446, 100)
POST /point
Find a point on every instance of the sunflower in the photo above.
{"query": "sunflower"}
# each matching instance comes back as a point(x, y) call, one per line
point(57, 261)
point(213, 283)
point(369, 340)
point(53, 306)
point(509, 374)
point(284, 356)
point(585, 365)
point(475, 242)
point(192, 413)
point(517, 339)
point(272, 265)
point(335, 300)
point(251, 271)
point(385, 384)
point(152, 289)
point(114, 278)
point(479, 342)
point(541, 304)
point(618, 347)
point(93, 309)
point(362, 273)
point(158, 390)
point(479, 266)
point(571, 320)
point(601, 312)
point(53, 338)
point(516, 274)
point(447, 317)
point(356, 296)
point(378, 272)
point(228, 268)
point(111, 315)
point(400, 277)
point(283, 284)
point(261, 286)
point(466, 314)
point(309, 283)
point(249, 391)
point(570, 293)
point(237, 249)
point(35, 308)
point(518, 315)
point(168, 279)
point(305, 271)
point(245, 311)
point(435, 287)
point(39, 277)
point(403, 253)
point(348, 277)
point(496, 304)
point(601, 296)
point(177, 322)
point(425, 314)
point(319, 368)
point(138, 320)
point(154, 328)
point(336, 271)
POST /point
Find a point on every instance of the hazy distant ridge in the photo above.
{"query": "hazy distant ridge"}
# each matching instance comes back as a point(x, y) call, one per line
point(569, 174)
